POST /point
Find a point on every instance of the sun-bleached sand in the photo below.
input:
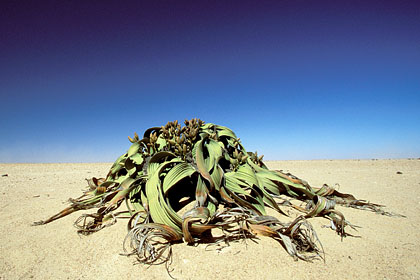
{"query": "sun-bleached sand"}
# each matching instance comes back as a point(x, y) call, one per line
point(389, 247)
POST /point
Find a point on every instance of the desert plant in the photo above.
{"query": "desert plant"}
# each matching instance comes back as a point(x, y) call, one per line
point(173, 166)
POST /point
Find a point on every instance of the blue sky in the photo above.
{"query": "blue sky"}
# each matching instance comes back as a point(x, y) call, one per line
point(293, 79)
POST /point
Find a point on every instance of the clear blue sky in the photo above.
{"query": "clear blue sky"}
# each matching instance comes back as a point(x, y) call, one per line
point(293, 79)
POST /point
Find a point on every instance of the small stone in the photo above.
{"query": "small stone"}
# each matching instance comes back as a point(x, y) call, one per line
point(399, 172)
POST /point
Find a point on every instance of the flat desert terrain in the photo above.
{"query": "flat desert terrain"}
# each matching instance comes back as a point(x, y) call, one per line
point(389, 247)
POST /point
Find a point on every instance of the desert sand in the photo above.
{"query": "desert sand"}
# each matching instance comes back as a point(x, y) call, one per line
point(387, 249)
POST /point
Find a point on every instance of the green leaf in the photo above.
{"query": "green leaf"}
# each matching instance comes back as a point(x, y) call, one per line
point(135, 147)
point(161, 142)
point(217, 177)
point(125, 188)
point(137, 158)
point(215, 152)
point(201, 165)
point(155, 199)
point(224, 131)
point(176, 174)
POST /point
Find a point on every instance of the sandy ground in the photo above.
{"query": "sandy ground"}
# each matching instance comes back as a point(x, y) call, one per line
point(388, 248)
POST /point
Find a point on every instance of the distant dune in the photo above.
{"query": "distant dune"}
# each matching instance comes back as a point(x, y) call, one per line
point(389, 247)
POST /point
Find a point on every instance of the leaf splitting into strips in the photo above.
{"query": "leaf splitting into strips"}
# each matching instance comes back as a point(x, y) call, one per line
point(224, 131)
point(264, 183)
point(126, 186)
point(201, 166)
point(215, 153)
point(217, 177)
point(160, 211)
point(176, 174)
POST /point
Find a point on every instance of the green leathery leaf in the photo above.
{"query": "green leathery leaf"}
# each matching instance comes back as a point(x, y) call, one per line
point(151, 168)
point(225, 196)
point(215, 152)
point(123, 190)
point(256, 167)
point(159, 210)
point(108, 183)
point(212, 208)
point(244, 203)
point(259, 196)
point(176, 174)
point(137, 159)
point(217, 176)
point(294, 187)
point(121, 179)
point(267, 183)
point(156, 209)
point(233, 184)
point(201, 165)
point(115, 168)
point(132, 171)
point(135, 147)
point(161, 142)
point(290, 186)
point(207, 126)
point(246, 174)
point(134, 201)
point(207, 163)
point(262, 184)
point(224, 131)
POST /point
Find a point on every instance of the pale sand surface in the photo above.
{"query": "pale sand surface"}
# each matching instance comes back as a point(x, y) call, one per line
point(388, 249)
